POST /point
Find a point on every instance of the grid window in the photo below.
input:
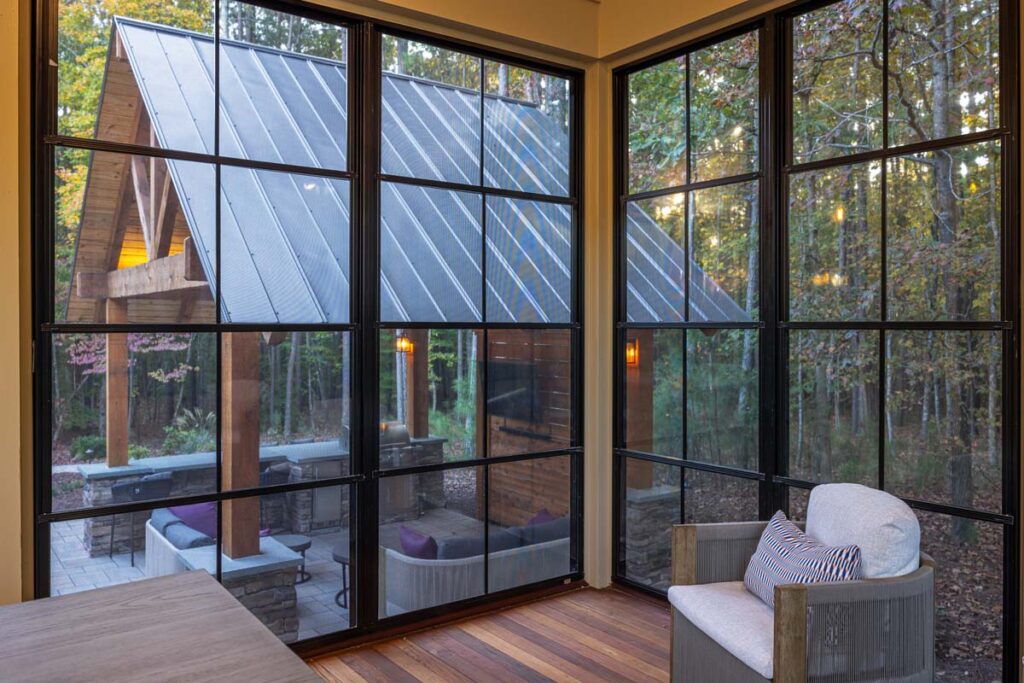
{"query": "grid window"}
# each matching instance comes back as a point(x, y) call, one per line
point(841, 308)
point(267, 307)
point(478, 357)
point(690, 308)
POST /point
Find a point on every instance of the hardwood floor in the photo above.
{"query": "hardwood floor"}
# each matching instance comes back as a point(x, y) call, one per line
point(586, 635)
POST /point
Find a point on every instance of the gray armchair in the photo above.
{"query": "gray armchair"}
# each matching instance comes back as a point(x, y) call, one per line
point(874, 629)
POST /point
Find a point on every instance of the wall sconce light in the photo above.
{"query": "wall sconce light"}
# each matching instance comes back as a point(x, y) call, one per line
point(403, 344)
point(632, 352)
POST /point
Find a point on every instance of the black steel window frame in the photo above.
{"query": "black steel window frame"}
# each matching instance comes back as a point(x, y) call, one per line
point(363, 173)
point(370, 334)
point(775, 167)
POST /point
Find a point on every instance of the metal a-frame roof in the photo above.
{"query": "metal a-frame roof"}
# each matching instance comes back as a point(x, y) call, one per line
point(285, 237)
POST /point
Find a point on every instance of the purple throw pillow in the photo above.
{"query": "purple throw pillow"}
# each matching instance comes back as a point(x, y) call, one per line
point(541, 517)
point(202, 517)
point(415, 544)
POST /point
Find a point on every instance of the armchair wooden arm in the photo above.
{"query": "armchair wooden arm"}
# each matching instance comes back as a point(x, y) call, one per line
point(710, 553)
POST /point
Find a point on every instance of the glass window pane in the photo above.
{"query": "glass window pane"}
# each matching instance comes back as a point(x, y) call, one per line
point(722, 397)
point(711, 497)
point(968, 596)
point(651, 507)
point(835, 243)
point(656, 259)
point(724, 108)
point(530, 522)
point(944, 424)
point(944, 213)
point(133, 239)
point(526, 130)
point(97, 552)
point(657, 126)
point(134, 417)
point(529, 261)
point(724, 242)
point(431, 539)
point(529, 390)
point(943, 69)
point(145, 77)
point(833, 406)
point(283, 87)
point(292, 571)
point(285, 240)
point(430, 387)
point(286, 407)
point(798, 501)
point(430, 112)
point(430, 252)
point(837, 80)
point(654, 391)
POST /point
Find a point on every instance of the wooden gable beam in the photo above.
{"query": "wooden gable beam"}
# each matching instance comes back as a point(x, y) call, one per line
point(163, 208)
point(170, 275)
point(143, 199)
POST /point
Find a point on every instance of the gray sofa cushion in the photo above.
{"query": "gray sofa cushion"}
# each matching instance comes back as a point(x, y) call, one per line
point(163, 518)
point(734, 618)
point(471, 546)
point(884, 527)
point(183, 537)
point(543, 532)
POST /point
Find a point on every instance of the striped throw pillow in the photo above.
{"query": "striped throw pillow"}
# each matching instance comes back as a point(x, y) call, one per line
point(785, 554)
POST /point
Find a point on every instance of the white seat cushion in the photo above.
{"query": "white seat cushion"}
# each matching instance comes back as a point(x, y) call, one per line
point(880, 524)
point(733, 617)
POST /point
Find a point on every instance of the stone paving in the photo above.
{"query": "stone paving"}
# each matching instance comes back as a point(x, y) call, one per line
point(73, 570)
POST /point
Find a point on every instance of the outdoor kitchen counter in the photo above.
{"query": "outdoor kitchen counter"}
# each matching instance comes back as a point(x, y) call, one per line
point(184, 627)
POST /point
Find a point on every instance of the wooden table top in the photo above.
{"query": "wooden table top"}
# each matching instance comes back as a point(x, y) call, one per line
point(184, 627)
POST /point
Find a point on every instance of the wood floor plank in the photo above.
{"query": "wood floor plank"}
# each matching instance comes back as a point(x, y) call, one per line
point(586, 636)
point(574, 663)
point(508, 665)
point(335, 670)
point(627, 644)
point(642, 636)
point(567, 639)
point(420, 663)
point(520, 651)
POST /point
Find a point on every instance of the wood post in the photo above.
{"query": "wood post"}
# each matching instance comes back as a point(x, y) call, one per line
point(481, 419)
point(240, 415)
point(417, 394)
point(640, 407)
point(684, 554)
point(790, 642)
point(117, 385)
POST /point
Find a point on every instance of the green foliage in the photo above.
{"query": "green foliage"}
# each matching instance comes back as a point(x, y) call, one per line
point(88, 447)
point(191, 432)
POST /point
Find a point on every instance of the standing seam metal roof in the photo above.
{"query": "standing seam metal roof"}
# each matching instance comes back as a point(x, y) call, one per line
point(285, 237)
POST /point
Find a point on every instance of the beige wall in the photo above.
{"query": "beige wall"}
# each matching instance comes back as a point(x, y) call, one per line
point(15, 482)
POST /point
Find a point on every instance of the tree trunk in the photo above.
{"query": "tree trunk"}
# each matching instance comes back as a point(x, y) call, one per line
point(503, 80)
point(346, 384)
point(402, 48)
point(289, 389)
point(309, 389)
point(273, 387)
